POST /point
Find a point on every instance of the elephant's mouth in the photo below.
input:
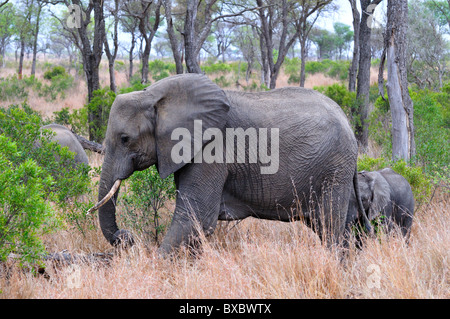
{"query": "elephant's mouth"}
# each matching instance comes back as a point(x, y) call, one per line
point(107, 197)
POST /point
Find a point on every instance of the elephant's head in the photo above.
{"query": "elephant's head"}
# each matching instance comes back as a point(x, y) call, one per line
point(375, 193)
point(139, 135)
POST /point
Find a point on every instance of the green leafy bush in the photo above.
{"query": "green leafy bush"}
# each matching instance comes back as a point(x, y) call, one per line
point(34, 171)
point(222, 81)
point(147, 195)
point(432, 134)
point(100, 106)
point(160, 69)
point(55, 72)
point(216, 68)
point(340, 94)
point(24, 212)
point(12, 88)
point(333, 69)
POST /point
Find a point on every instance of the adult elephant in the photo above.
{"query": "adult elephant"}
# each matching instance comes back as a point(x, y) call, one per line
point(309, 174)
point(64, 137)
point(384, 193)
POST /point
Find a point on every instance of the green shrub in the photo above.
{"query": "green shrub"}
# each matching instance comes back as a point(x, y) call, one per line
point(432, 132)
point(12, 88)
point(216, 68)
point(100, 106)
point(24, 213)
point(62, 117)
point(147, 195)
point(30, 178)
point(222, 81)
point(160, 69)
point(333, 69)
point(344, 98)
point(54, 72)
point(60, 82)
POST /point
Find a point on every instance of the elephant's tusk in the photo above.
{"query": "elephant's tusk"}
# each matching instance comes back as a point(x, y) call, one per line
point(108, 196)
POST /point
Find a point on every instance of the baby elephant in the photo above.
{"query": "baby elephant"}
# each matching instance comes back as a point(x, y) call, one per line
point(65, 137)
point(384, 193)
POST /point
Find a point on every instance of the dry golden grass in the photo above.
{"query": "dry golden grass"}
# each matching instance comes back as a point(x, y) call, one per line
point(254, 259)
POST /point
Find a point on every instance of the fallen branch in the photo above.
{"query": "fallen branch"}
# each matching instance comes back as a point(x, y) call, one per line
point(90, 145)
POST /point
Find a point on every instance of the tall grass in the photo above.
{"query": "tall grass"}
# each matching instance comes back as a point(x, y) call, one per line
point(257, 259)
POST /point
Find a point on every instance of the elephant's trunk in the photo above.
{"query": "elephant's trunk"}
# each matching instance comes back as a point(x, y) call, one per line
point(106, 206)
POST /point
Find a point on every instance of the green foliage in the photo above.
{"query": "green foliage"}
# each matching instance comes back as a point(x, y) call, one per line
point(13, 88)
point(216, 68)
point(147, 196)
point(333, 69)
point(340, 94)
point(160, 69)
point(24, 213)
point(421, 183)
point(34, 171)
point(431, 125)
point(100, 106)
point(222, 81)
point(54, 72)
point(431, 119)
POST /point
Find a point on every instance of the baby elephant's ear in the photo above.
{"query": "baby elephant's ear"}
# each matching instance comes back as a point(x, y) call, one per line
point(183, 99)
point(381, 194)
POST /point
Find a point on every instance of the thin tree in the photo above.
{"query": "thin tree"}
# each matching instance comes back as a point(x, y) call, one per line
point(363, 77)
point(303, 11)
point(272, 15)
point(112, 54)
point(197, 27)
point(175, 42)
point(402, 108)
point(148, 25)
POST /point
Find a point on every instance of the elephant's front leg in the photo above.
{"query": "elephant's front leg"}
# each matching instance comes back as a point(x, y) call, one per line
point(199, 192)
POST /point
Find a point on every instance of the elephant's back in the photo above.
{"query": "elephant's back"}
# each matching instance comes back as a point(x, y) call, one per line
point(65, 137)
point(287, 105)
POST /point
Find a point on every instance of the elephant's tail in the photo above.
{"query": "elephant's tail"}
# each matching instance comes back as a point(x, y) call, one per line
point(361, 210)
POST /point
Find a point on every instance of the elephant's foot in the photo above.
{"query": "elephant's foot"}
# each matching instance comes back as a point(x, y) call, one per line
point(123, 239)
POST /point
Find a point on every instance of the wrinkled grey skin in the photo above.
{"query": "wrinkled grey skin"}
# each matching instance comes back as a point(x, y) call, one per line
point(384, 193)
point(65, 137)
point(317, 155)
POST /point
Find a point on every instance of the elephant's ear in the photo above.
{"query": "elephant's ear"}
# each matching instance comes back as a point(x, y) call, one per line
point(181, 100)
point(381, 194)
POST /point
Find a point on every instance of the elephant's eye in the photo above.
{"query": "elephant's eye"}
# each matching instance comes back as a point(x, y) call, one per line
point(124, 139)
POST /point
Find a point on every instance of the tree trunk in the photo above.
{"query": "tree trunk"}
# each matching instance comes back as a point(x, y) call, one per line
point(363, 84)
point(189, 38)
point(145, 59)
point(36, 33)
point(402, 109)
point(22, 54)
point(174, 44)
point(355, 60)
point(303, 62)
point(91, 59)
point(130, 72)
point(112, 55)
